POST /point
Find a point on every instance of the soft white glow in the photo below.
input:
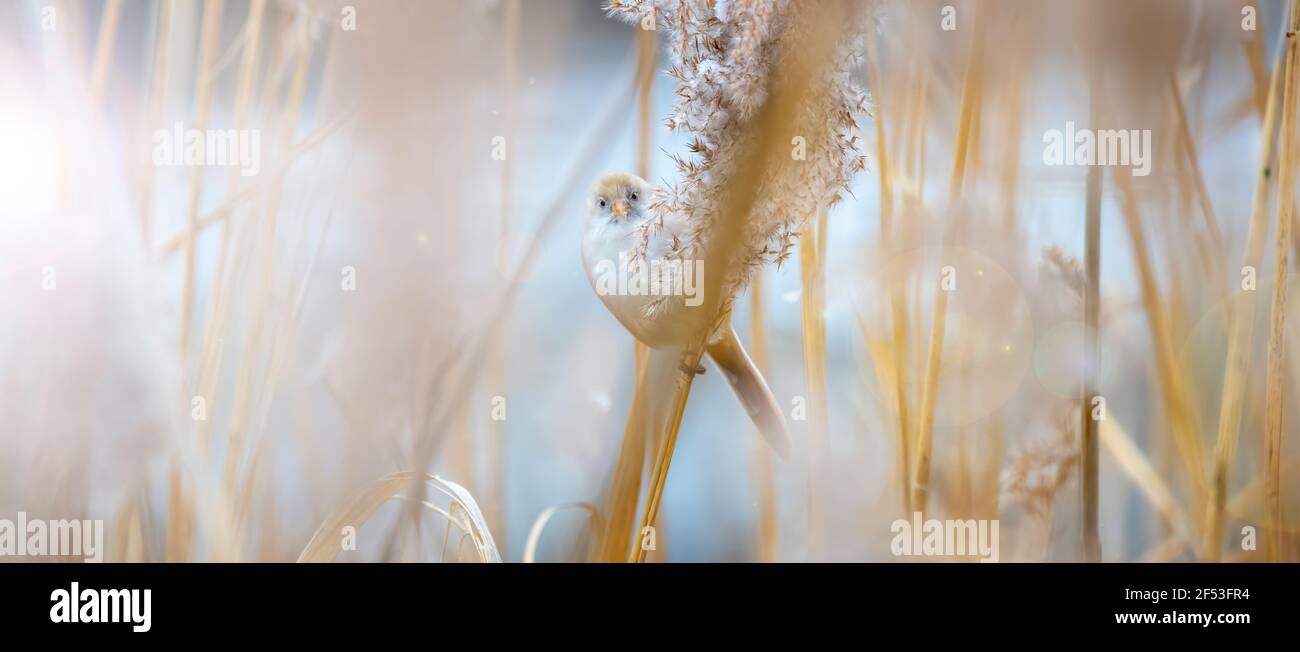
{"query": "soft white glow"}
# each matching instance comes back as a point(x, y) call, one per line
point(28, 161)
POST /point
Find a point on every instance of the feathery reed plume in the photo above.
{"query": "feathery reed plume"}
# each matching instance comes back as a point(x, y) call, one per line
point(724, 58)
point(759, 66)
point(1067, 269)
point(1038, 470)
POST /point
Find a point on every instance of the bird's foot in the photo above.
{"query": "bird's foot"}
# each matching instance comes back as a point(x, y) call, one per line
point(686, 369)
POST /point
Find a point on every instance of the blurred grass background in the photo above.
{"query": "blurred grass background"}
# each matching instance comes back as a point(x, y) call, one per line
point(181, 282)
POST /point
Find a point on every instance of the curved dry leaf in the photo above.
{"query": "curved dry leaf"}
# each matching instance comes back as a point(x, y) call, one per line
point(535, 534)
point(326, 543)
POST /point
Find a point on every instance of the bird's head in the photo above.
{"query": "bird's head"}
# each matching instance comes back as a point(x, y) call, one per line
point(618, 196)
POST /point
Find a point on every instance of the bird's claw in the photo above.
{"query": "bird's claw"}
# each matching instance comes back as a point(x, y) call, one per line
point(686, 369)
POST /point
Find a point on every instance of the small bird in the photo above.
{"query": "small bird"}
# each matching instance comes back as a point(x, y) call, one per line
point(619, 237)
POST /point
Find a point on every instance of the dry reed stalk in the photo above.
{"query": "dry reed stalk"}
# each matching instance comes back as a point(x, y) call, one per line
point(1241, 332)
point(326, 543)
point(1129, 458)
point(495, 377)
point(1175, 392)
point(898, 311)
point(929, 398)
point(1254, 46)
point(1092, 365)
point(1273, 397)
point(647, 53)
point(266, 179)
point(214, 326)
point(247, 75)
point(918, 143)
point(762, 456)
point(792, 78)
point(539, 525)
point(971, 95)
point(132, 531)
point(1215, 249)
point(286, 323)
point(180, 517)
point(456, 376)
point(72, 19)
point(326, 93)
point(245, 404)
point(1014, 126)
point(930, 392)
point(1246, 497)
point(812, 281)
point(104, 47)
point(202, 102)
point(157, 97)
point(624, 490)
point(664, 456)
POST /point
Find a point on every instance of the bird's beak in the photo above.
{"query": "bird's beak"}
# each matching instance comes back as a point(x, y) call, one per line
point(620, 209)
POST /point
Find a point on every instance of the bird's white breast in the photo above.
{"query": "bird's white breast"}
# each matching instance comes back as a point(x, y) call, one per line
point(613, 242)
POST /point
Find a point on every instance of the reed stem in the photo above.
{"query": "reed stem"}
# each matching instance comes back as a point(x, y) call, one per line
point(1241, 332)
point(1273, 396)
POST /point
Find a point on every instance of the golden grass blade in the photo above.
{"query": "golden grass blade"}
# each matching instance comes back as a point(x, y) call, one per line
point(762, 456)
point(466, 361)
point(157, 97)
point(202, 103)
point(539, 525)
point(104, 47)
point(757, 155)
point(812, 280)
point(1241, 332)
point(1175, 392)
point(495, 380)
point(1092, 365)
point(1250, 495)
point(326, 544)
point(1273, 397)
point(214, 325)
point(1135, 465)
point(266, 179)
point(934, 357)
point(624, 489)
point(1214, 247)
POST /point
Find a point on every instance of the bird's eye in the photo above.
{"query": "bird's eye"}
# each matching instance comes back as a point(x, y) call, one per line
point(602, 202)
point(632, 196)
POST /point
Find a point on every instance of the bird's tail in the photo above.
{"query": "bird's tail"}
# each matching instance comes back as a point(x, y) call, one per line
point(748, 384)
